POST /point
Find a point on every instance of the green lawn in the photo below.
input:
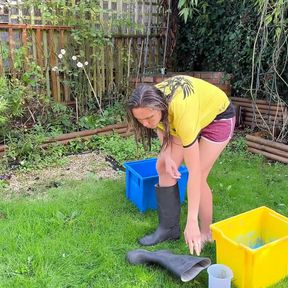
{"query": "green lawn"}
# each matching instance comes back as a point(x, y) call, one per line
point(79, 234)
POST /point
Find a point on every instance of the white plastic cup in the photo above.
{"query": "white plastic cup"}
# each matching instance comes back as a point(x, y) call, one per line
point(220, 276)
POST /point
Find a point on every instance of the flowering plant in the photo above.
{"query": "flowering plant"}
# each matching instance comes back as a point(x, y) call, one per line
point(76, 63)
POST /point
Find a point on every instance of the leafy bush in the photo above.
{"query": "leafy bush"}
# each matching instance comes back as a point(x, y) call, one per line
point(111, 115)
point(219, 36)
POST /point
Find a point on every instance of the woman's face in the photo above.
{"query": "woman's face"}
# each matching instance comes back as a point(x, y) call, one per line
point(148, 117)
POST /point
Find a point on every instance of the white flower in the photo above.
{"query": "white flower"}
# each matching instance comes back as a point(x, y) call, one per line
point(74, 58)
point(86, 63)
point(63, 51)
point(55, 68)
point(60, 56)
point(79, 64)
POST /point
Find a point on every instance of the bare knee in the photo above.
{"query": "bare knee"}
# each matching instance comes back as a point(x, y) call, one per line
point(164, 178)
point(204, 184)
point(160, 166)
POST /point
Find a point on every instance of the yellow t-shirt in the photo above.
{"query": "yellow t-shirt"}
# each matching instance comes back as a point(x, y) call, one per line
point(194, 104)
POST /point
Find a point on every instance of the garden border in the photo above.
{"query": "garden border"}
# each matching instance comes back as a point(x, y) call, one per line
point(268, 148)
point(121, 128)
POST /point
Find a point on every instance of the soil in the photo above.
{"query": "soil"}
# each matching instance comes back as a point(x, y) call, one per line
point(77, 167)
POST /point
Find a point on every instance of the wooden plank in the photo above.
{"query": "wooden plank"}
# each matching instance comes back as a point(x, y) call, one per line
point(129, 59)
point(269, 155)
point(57, 52)
point(119, 61)
point(52, 63)
point(33, 36)
point(109, 56)
point(157, 23)
point(152, 64)
point(39, 49)
point(114, 71)
point(148, 38)
point(11, 50)
point(46, 62)
point(157, 50)
point(102, 74)
point(111, 67)
point(65, 86)
point(94, 73)
point(267, 148)
point(98, 80)
point(24, 37)
point(62, 39)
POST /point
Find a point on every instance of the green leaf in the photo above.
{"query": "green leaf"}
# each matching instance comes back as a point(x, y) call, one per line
point(181, 3)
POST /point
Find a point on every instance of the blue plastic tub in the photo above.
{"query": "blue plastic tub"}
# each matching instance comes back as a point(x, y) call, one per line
point(141, 177)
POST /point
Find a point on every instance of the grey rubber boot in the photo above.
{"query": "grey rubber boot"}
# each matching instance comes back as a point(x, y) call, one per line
point(168, 205)
point(185, 267)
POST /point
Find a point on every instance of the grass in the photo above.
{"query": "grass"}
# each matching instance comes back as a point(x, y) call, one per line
point(79, 234)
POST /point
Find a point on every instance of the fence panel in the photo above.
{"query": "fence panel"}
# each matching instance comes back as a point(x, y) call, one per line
point(132, 49)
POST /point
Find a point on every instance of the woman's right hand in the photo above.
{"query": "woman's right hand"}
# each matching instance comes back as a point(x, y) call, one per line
point(193, 237)
point(172, 168)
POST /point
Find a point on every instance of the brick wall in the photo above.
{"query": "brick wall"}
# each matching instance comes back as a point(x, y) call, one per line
point(219, 79)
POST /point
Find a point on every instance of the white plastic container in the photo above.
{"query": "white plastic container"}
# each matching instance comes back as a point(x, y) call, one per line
point(220, 276)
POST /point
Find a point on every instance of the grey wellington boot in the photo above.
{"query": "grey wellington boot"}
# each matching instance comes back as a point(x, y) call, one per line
point(186, 267)
point(168, 203)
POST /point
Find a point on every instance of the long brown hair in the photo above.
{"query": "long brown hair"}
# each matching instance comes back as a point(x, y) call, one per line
point(148, 96)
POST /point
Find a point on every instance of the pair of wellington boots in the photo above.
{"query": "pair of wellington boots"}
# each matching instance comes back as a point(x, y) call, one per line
point(168, 205)
point(186, 267)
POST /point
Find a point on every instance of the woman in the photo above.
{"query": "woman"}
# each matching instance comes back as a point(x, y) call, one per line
point(194, 121)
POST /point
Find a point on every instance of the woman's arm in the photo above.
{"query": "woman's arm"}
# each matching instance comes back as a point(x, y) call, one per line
point(192, 232)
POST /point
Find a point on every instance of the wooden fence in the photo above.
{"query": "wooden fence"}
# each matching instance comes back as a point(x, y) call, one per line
point(126, 52)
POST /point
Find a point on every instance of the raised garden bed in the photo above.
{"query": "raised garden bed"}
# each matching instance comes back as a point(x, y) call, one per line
point(268, 148)
point(251, 116)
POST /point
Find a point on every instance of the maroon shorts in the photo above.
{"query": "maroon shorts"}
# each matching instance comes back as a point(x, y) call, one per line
point(219, 130)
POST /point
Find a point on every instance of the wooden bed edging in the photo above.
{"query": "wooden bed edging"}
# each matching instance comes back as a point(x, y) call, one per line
point(270, 149)
point(64, 139)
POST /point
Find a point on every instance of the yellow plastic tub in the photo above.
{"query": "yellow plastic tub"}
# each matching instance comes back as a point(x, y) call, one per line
point(254, 245)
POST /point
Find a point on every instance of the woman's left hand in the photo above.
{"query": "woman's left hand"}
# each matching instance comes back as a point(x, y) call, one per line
point(193, 237)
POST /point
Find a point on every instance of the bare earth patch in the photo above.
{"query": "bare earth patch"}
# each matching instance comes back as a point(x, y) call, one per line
point(78, 167)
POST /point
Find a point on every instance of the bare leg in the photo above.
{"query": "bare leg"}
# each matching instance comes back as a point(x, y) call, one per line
point(165, 180)
point(209, 152)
